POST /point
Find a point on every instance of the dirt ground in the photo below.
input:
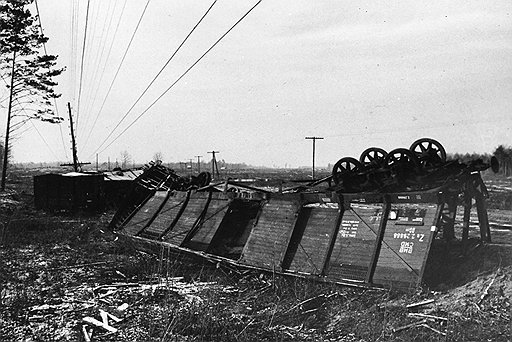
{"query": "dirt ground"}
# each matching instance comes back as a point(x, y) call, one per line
point(64, 278)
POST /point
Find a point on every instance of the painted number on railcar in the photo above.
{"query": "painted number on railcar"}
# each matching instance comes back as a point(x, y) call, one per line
point(349, 228)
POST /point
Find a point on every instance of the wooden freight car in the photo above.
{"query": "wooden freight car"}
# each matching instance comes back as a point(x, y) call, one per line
point(352, 239)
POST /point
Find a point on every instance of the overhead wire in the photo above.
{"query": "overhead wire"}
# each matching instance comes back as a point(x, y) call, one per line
point(122, 59)
point(44, 140)
point(93, 49)
point(155, 77)
point(179, 78)
point(98, 59)
point(82, 64)
point(74, 48)
point(54, 100)
point(104, 67)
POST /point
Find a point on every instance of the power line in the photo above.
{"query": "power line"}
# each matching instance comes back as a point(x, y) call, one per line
point(179, 78)
point(155, 77)
point(104, 67)
point(97, 45)
point(54, 100)
point(215, 167)
point(74, 47)
point(314, 142)
point(122, 59)
point(98, 59)
point(199, 163)
point(82, 62)
point(44, 140)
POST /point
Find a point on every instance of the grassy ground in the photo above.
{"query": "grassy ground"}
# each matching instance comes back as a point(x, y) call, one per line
point(56, 270)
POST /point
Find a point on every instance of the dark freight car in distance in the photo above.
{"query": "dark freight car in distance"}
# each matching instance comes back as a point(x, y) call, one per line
point(83, 191)
point(69, 192)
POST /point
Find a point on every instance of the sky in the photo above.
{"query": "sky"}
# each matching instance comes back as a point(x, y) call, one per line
point(357, 73)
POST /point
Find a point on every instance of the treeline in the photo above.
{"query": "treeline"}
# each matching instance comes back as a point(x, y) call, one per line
point(502, 153)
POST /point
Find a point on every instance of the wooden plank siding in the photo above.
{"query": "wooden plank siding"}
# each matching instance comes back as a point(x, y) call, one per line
point(355, 242)
point(195, 206)
point(269, 239)
point(215, 213)
point(405, 248)
point(144, 215)
point(166, 215)
point(300, 234)
point(312, 247)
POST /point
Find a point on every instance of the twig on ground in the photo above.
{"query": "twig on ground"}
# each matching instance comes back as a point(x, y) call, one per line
point(486, 291)
point(415, 324)
point(78, 266)
point(304, 302)
point(434, 330)
point(248, 324)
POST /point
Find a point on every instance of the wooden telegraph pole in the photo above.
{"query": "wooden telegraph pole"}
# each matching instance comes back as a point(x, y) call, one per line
point(76, 165)
point(314, 141)
point(215, 168)
point(199, 164)
point(73, 142)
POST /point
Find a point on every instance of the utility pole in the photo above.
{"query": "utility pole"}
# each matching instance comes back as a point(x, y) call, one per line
point(76, 165)
point(73, 142)
point(314, 141)
point(191, 166)
point(199, 164)
point(214, 164)
point(183, 166)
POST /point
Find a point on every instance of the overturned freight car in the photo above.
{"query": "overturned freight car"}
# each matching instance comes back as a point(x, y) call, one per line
point(371, 223)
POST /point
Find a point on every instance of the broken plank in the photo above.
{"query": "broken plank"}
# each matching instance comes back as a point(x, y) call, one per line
point(420, 315)
point(99, 324)
point(415, 305)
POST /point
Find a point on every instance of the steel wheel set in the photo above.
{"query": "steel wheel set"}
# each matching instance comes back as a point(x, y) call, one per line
point(422, 165)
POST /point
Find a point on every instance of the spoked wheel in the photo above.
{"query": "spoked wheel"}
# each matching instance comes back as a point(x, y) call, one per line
point(401, 157)
point(429, 152)
point(373, 157)
point(345, 166)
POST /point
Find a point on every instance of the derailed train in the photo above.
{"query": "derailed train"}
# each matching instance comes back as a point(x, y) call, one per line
point(370, 223)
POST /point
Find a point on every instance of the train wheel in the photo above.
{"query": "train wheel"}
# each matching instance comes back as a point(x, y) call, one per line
point(429, 152)
point(373, 156)
point(345, 166)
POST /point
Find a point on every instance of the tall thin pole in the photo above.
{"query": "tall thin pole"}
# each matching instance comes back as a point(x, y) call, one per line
point(73, 142)
point(8, 129)
point(199, 163)
point(314, 141)
point(214, 164)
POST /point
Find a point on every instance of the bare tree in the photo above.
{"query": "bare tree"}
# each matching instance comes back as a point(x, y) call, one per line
point(158, 156)
point(31, 74)
point(126, 159)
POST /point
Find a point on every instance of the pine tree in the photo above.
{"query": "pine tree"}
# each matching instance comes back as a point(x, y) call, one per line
point(31, 73)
